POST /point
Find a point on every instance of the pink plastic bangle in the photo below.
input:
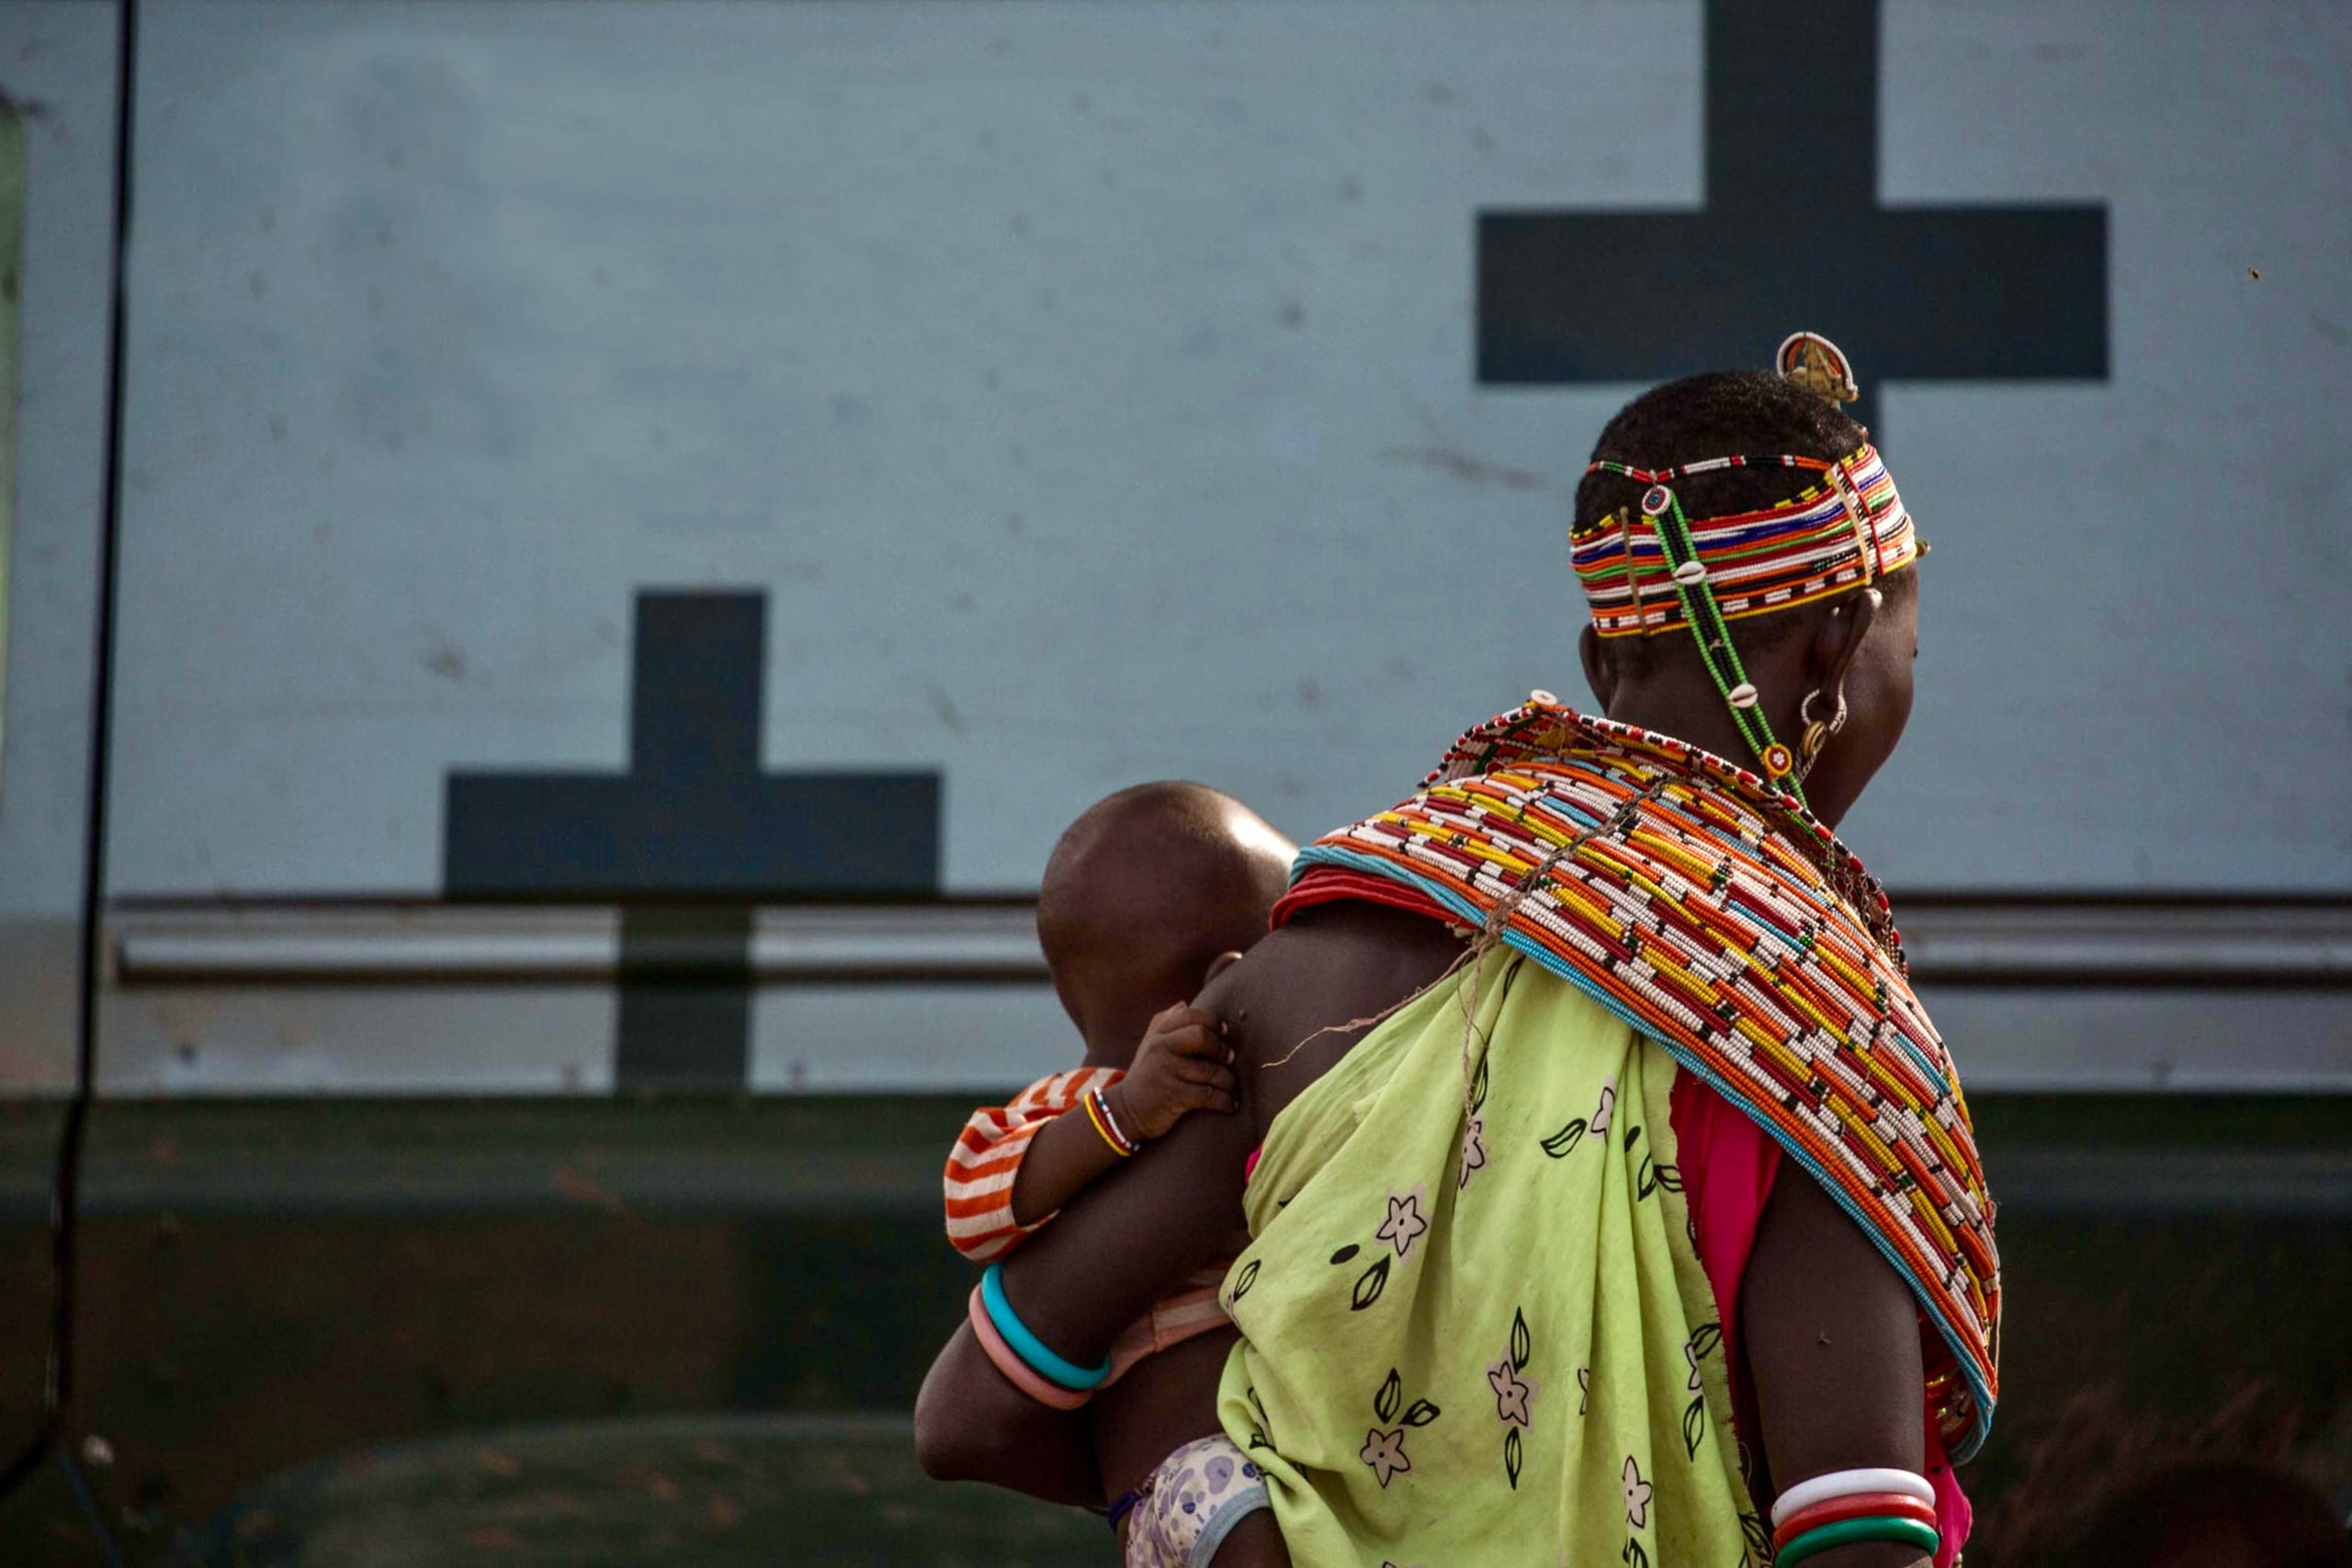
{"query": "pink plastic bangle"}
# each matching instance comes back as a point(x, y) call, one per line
point(1017, 1370)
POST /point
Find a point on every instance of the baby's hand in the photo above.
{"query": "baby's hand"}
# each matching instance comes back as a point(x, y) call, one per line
point(1183, 1064)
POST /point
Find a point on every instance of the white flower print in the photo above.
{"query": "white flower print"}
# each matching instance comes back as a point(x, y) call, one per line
point(1637, 1495)
point(1474, 1149)
point(1404, 1225)
point(1385, 1452)
point(1513, 1390)
point(1691, 1354)
point(1608, 1105)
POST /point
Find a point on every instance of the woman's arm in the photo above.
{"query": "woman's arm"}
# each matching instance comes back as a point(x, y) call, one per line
point(1833, 1343)
point(971, 1424)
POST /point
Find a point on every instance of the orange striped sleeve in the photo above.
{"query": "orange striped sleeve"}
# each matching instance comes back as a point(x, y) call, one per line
point(986, 1158)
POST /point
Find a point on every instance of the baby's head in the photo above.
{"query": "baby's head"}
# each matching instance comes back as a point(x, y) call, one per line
point(1142, 894)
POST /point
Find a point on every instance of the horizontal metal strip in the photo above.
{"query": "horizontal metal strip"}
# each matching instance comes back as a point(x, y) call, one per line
point(2162, 946)
point(947, 943)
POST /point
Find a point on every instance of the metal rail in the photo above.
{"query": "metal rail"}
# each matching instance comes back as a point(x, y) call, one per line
point(2026, 943)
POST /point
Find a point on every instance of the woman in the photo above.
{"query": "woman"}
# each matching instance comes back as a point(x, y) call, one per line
point(1646, 1227)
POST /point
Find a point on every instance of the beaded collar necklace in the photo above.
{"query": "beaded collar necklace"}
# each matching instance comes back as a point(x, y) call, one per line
point(1544, 726)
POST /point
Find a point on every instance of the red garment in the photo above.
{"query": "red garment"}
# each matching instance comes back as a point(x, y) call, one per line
point(1727, 1164)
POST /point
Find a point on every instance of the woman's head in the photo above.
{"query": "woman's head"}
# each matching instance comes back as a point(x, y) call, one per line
point(1851, 633)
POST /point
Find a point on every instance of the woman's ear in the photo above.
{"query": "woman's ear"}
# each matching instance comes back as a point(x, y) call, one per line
point(1838, 641)
point(1599, 670)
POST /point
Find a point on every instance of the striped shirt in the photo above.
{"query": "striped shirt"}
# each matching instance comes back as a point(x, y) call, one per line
point(986, 1160)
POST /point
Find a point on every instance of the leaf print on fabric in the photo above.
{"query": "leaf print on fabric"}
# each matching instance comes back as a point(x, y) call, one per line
point(1473, 1151)
point(1391, 1395)
point(1514, 1392)
point(1694, 1424)
point(1420, 1413)
point(1637, 1495)
point(1385, 1453)
point(1584, 1388)
point(1373, 1280)
point(1479, 1088)
point(1561, 1142)
point(1261, 1430)
point(1404, 1223)
point(1633, 1555)
point(1759, 1539)
point(1243, 1280)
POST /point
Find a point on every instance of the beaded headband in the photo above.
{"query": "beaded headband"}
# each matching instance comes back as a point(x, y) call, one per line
point(1665, 572)
point(1845, 532)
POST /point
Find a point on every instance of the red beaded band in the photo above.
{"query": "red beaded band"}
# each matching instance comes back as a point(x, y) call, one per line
point(1857, 1504)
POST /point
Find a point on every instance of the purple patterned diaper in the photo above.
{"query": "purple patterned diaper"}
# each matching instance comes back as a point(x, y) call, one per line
point(1191, 1503)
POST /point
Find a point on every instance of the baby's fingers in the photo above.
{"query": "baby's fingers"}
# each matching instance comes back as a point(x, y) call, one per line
point(1210, 1097)
point(1208, 1073)
point(1194, 1040)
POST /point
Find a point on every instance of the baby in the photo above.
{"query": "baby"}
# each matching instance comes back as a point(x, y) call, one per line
point(1148, 895)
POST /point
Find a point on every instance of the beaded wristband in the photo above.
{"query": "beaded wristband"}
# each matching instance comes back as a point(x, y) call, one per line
point(1016, 1371)
point(1883, 1505)
point(1031, 1351)
point(1906, 1532)
point(1845, 1484)
point(1098, 1111)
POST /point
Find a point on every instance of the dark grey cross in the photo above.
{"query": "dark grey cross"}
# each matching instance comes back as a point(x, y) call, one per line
point(691, 836)
point(1792, 235)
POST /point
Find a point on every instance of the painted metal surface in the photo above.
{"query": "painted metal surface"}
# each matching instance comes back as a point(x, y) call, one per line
point(1032, 397)
point(57, 62)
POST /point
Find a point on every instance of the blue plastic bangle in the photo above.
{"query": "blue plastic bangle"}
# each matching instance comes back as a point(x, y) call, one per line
point(1027, 1345)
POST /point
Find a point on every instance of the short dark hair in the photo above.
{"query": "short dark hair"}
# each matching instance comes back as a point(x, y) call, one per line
point(1718, 413)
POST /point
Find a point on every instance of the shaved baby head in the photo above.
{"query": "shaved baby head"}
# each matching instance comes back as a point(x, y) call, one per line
point(1143, 893)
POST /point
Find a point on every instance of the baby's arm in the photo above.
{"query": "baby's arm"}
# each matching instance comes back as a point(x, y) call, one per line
point(1183, 1064)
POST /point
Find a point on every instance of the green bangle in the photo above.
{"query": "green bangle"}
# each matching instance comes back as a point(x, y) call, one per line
point(1870, 1527)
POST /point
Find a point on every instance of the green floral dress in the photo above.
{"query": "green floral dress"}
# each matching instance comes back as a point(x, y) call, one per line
point(1475, 1328)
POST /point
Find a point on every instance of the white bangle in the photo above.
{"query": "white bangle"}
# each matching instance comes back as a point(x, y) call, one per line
point(1849, 1483)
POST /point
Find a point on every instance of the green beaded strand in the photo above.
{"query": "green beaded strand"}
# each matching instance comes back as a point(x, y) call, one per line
point(1715, 648)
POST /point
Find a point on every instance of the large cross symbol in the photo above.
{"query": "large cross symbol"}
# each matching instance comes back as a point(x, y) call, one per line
point(690, 837)
point(1792, 235)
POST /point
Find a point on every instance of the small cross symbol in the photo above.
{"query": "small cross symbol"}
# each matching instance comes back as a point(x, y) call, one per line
point(691, 836)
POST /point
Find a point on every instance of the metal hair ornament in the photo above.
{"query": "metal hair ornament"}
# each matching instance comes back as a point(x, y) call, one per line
point(1818, 366)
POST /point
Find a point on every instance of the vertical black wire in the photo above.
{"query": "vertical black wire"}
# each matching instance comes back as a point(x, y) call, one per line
point(65, 1191)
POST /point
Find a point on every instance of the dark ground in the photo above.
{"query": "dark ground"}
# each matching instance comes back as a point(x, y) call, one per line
point(272, 1284)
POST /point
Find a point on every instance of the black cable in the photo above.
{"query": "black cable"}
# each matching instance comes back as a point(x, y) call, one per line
point(65, 1191)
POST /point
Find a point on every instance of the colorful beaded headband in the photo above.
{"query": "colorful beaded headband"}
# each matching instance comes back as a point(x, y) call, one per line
point(1665, 572)
point(1845, 532)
